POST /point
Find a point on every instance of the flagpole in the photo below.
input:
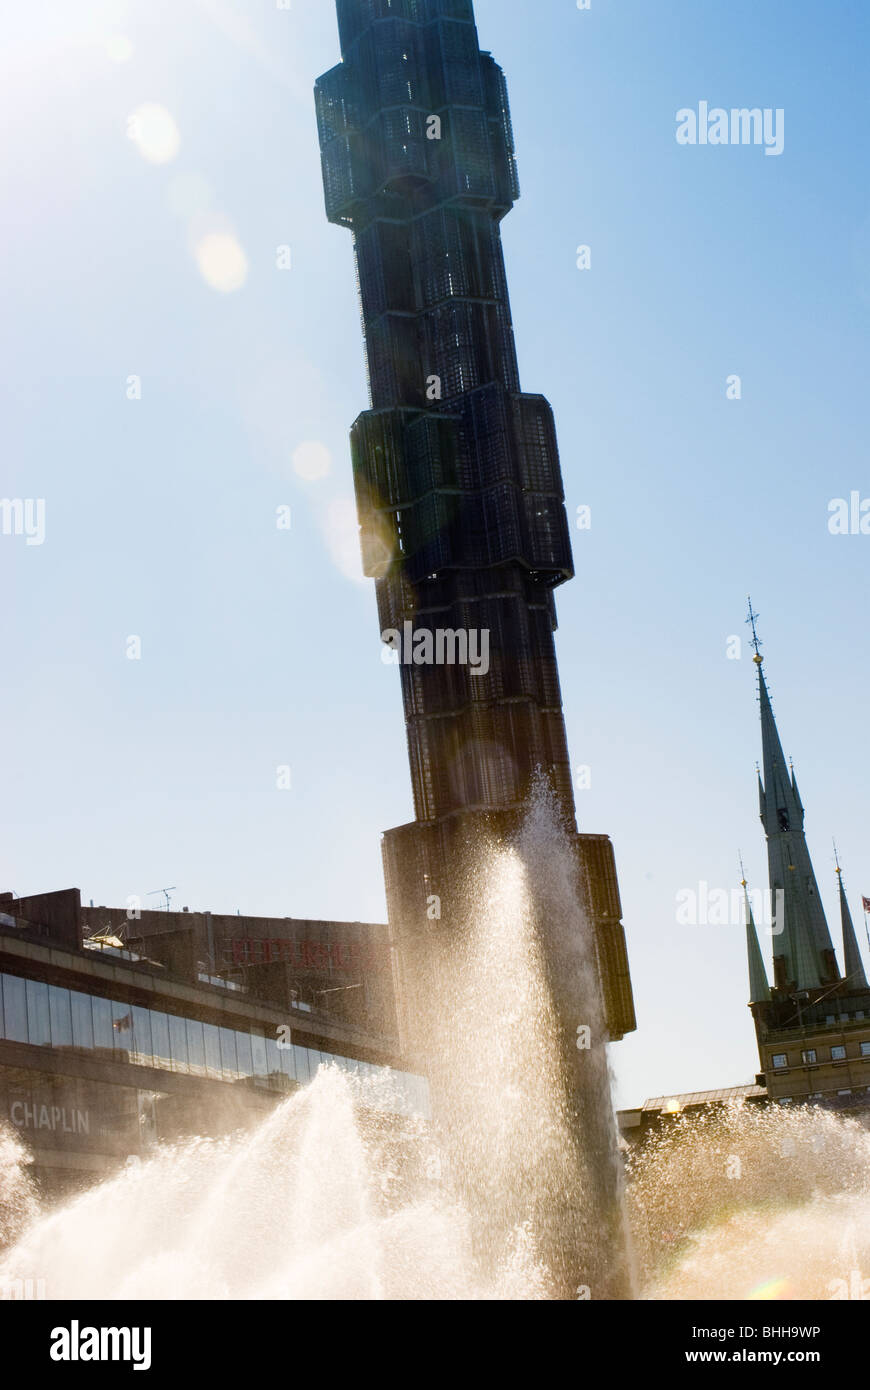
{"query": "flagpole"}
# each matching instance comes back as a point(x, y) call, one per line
point(866, 924)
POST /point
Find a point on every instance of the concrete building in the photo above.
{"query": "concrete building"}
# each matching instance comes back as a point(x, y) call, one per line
point(638, 1123)
point(116, 1035)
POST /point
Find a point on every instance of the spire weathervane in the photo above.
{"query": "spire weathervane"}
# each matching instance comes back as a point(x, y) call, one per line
point(757, 643)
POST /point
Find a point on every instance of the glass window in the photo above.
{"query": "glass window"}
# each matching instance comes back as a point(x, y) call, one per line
point(195, 1047)
point(178, 1042)
point(288, 1061)
point(865, 1049)
point(838, 1054)
point(160, 1049)
point(780, 1060)
point(59, 1014)
point(14, 1009)
point(258, 1050)
point(212, 1036)
point(122, 1030)
point(229, 1061)
point(244, 1054)
point(809, 1056)
point(142, 1049)
point(82, 1021)
point(38, 1021)
point(103, 1031)
point(300, 1055)
point(273, 1065)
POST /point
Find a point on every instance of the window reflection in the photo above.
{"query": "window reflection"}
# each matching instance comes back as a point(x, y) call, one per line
point(229, 1061)
point(195, 1047)
point(38, 1022)
point(274, 1069)
point(59, 1017)
point(14, 1008)
point(43, 1015)
point(122, 1030)
point(301, 1056)
point(258, 1049)
point(178, 1043)
point(82, 1020)
point(245, 1054)
point(160, 1040)
point(103, 1032)
point(142, 1054)
point(211, 1034)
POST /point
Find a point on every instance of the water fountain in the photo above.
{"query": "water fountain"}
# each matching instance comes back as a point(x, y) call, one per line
point(330, 1199)
point(753, 1202)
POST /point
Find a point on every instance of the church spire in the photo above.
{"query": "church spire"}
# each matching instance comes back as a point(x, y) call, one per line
point(853, 964)
point(803, 950)
point(759, 989)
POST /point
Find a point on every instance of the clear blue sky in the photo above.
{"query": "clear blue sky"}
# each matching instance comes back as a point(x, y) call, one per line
point(260, 647)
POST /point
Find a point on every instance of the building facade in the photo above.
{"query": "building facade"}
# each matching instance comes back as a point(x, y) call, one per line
point(110, 1044)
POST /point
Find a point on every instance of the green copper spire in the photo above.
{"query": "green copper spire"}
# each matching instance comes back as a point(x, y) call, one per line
point(803, 950)
point(759, 989)
point(854, 966)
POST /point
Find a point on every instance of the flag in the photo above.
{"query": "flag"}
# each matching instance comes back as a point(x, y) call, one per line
point(866, 902)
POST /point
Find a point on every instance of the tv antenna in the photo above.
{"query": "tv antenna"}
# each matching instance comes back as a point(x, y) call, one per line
point(165, 892)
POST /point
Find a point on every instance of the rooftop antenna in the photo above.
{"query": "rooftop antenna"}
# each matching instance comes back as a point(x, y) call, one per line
point(165, 891)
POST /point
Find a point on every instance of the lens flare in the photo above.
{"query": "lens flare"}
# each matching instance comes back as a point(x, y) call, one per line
point(119, 49)
point(222, 261)
point(154, 132)
point(312, 461)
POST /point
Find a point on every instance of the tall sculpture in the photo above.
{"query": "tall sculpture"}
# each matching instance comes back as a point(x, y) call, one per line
point(459, 489)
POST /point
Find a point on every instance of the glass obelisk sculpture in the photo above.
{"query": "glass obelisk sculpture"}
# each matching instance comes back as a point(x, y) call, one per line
point(459, 488)
point(460, 497)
